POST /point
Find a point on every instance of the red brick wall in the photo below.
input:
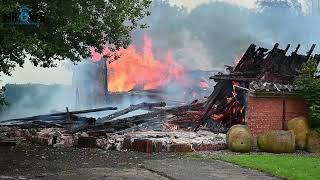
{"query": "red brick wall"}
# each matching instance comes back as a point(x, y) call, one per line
point(266, 113)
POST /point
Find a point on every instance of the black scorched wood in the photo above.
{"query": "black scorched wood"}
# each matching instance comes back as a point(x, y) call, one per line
point(255, 65)
point(45, 116)
point(210, 103)
point(130, 109)
point(119, 124)
point(124, 123)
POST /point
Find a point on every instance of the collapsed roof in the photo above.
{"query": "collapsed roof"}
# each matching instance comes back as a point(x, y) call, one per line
point(258, 69)
point(264, 65)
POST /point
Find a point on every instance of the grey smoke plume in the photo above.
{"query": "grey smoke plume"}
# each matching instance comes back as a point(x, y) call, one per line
point(214, 34)
point(205, 38)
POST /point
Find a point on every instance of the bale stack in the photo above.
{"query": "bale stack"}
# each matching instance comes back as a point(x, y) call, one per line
point(239, 138)
point(313, 142)
point(277, 142)
point(300, 127)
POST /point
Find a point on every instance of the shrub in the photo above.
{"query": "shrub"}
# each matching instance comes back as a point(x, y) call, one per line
point(309, 87)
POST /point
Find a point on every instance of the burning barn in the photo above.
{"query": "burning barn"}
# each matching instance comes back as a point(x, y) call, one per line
point(258, 91)
point(138, 74)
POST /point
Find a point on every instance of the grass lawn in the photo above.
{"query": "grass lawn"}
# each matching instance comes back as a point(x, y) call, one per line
point(285, 166)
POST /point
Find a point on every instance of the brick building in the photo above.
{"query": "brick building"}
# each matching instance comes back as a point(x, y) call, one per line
point(271, 109)
point(259, 90)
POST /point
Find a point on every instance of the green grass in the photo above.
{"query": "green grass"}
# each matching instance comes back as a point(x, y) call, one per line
point(285, 166)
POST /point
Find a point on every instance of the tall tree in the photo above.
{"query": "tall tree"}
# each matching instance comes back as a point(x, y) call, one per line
point(310, 90)
point(69, 31)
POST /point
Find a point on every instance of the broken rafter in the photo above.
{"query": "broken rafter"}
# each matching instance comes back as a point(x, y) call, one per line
point(210, 103)
point(130, 109)
point(128, 122)
point(46, 116)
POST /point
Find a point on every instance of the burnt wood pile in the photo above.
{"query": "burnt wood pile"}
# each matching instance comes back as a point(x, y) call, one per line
point(226, 106)
point(72, 123)
point(227, 103)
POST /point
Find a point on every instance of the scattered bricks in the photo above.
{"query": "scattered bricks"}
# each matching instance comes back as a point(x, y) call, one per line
point(142, 145)
point(87, 142)
point(209, 147)
point(138, 145)
point(7, 142)
point(149, 146)
point(218, 147)
point(39, 140)
point(180, 148)
point(102, 143)
point(157, 147)
point(17, 133)
point(127, 144)
point(44, 141)
point(68, 141)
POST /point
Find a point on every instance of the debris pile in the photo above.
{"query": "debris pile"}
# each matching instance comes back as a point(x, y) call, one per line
point(175, 128)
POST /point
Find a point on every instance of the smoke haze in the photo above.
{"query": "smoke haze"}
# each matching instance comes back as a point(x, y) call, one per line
point(204, 37)
point(214, 33)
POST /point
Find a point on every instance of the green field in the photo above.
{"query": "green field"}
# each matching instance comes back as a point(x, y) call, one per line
point(293, 167)
point(285, 166)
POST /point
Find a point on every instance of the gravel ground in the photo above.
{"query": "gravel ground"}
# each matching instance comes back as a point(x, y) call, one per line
point(27, 161)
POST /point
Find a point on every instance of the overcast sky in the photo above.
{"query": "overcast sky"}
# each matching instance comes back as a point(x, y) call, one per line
point(194, 3)
point(60, 75)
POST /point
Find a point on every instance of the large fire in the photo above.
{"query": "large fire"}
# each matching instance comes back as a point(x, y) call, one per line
point(142, 70)
point(237, 59)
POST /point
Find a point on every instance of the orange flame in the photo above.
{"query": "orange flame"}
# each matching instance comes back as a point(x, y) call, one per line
point(216, 116)
point(203, 84)
point(194, 94)
point(134, 69)
point(237, 59)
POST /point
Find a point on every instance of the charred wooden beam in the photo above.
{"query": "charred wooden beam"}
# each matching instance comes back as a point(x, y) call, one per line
point(122, 123)
point(210, 103)
point(39, 117)
point(310, 51)
point(130, 109)
point(297, 48)
point(47, 124)
point(251, 51)
point(232, 77)
point(138, 119)
point(7, 142)
point(287, 48)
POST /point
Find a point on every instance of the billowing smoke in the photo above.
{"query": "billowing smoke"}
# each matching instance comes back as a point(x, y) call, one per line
point(214, 33)
point(34, 99)
point(204, 38)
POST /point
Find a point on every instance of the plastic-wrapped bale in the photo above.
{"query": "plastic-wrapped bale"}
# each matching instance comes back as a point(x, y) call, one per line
point(300, 127)
point(239, 138)
point(313, 142)
point(277, 142)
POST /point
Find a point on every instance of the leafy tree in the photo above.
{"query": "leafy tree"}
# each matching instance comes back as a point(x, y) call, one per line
point(69, 31)
point(2, 100)
point(310, 90)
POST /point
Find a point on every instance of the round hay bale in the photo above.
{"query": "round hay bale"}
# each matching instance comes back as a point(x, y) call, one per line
point(277, 142)
point(313, 142)
point(239, 138)
point(300, 128)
